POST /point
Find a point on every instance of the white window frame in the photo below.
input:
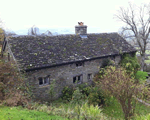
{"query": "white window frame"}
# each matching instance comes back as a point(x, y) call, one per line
point(89, 76)
point(43, 81)
point(78, 81)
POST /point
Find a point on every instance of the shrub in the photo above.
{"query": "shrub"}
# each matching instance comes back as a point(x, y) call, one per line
point(67, 93)
point(84, 89)
point(13, 89)
point(107, 62)
point(91, 111)
point(118, 83)
point(141, 76)
point(147, 117)
point(96, 97)
point(131, 64)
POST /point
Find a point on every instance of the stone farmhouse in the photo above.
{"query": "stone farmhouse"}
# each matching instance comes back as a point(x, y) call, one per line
point(68, 59)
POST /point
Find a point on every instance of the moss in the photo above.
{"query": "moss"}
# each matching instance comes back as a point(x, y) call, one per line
point(52, 55)
point(35, 54)
point(64, 49)
point(39, 43)
point(49, 47)
point(28, 66)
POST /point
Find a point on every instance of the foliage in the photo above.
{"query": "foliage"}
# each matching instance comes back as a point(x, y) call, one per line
point(18, 113)
point(146, 117)
point(107, 62)
point(118, 83)
point(130, 63)
point(51, 90)
point(91, 111)
point(86, 90)
point(96, 96)
point(14, 89)
point(67, 93)
point(114, 110)
point(141, 76)
point(77, 98)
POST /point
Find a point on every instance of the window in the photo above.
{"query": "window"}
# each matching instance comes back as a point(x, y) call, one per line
point(40, 81)
point(44, 81)
point(79, 64)
point(77, 79)
point(89, 76)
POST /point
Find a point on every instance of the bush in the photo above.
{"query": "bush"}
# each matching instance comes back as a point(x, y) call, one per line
point(67, 93)
point(147, 117)
point(93, 112)
point(107, 62)
point(96, 96)
point(141, 76)
point(131, 64)
point(85, 90)
point(13, 89)
point(118, 83)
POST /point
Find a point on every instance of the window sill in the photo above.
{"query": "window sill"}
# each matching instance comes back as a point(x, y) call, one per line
point(45, 85)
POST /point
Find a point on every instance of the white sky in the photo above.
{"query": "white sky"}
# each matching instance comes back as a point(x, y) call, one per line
point(22, 14)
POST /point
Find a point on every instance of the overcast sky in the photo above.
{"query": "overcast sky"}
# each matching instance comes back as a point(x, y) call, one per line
point(22, 14)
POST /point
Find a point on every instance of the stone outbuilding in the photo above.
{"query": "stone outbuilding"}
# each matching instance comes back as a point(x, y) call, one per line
point(68, 59)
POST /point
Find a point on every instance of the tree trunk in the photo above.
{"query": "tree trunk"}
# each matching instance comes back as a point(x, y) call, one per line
point(142, 61)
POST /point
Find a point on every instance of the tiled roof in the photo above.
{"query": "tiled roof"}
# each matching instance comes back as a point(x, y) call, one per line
point(33, 52)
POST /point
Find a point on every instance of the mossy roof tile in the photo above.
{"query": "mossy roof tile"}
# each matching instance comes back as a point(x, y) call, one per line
point(47, 51)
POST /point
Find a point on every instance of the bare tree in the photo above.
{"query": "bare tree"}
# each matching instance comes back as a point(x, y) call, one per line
point(48, 33)
point(118, 83)
point(33, 30)
point(137, 20)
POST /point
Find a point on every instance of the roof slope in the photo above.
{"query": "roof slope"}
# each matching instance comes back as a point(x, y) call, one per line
point(34, 52)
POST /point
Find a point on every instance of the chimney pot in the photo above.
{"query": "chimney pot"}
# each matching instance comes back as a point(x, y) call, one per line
point(81, 29)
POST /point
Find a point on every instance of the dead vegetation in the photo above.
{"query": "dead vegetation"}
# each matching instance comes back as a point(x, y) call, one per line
point(13, 89)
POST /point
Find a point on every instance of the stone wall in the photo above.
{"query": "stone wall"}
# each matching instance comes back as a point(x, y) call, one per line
point(64, 76)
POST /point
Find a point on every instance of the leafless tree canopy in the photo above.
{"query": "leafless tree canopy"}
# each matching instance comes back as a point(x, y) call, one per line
point(33, 30)
point(137, 20)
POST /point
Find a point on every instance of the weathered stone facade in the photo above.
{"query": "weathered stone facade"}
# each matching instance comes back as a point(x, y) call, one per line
point(64, 76)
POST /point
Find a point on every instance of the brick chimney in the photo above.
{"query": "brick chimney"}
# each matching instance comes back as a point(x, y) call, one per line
point(81, 29)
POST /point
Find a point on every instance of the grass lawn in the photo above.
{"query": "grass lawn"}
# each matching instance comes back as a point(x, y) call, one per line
point(115, 111)
point(147, 51)
point(19, 113)
point(147, 61)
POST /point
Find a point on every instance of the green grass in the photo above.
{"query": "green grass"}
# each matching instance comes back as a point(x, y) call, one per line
point(115, 111)
point(147, 61)
point(19, 113)
point(147, 51)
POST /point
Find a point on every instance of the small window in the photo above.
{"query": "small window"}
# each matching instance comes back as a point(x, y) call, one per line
point(40, 81)
point(77, 79)
point(79, 64)
point(74, 79)
point(44, 81)
point(89, 77)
